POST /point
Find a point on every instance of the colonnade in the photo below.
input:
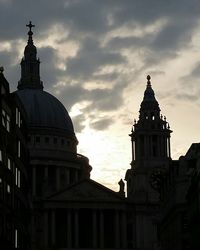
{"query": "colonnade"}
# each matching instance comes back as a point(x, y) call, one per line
point(73, 228)
point(162, 147)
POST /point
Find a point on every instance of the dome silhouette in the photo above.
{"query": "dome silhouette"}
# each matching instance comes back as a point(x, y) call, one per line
point(45, 110)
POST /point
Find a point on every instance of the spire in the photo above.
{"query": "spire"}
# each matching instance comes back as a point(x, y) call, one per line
point(149, 106)
point(30, 33)
point(149, 93)
point(30, 52)
point(30, 64)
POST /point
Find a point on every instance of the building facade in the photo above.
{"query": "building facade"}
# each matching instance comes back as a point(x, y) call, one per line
point(49, 202)
point(14, 188)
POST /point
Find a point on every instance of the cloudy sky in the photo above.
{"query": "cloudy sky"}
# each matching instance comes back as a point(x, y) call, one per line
point(95, 57)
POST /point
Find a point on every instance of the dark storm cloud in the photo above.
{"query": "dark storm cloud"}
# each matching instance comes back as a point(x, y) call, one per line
point(11, 70)
point(6, 58)
point(87, 16)
point(89, 23)
point(145, 12)
point(90, 16)
point(72, 94)
point(49, 70)
point(107, 99)
point(126, 42)
point(80, 16)
point(101, 124)
point(90, 58)
point(190, 89)
point(100, 99)
point(174, 36)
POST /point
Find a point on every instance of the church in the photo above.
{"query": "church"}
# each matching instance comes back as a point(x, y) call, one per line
point(48, 200)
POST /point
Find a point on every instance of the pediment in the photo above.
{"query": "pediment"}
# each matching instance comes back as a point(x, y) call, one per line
point(86, 190)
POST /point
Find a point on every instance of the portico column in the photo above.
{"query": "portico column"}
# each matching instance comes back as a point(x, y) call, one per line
point(94, 229)
point(101, 229)
point(117, 236)
point(76, 228)
point(124, 230)
point(53, 227)
point(69, 235)
point(46, 228)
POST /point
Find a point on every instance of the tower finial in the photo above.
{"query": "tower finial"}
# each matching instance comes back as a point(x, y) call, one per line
point(30, 33)
point(148, 80)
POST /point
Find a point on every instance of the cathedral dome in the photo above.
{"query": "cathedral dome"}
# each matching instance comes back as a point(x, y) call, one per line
point(44, 110)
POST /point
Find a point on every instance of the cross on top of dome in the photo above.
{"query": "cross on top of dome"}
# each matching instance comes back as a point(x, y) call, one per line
point(30, 33)
point(30, 25)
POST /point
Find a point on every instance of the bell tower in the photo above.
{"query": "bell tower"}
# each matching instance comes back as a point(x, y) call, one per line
point(150, 139)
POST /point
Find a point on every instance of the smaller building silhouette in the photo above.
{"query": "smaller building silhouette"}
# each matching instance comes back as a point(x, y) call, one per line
point(14, 177)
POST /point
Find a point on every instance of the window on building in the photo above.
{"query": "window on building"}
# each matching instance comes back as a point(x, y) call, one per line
point(55, 140)
point(19, 179)
point(19, 149)
point(3, 117)
point(0, 155)
point(9, 164)
point(16, 238)
point(18, 117)
point(5, 120)
point(8, 188)
point(16, 176)
point(8, 123)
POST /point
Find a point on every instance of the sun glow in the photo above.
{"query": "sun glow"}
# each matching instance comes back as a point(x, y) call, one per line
point(108, 154)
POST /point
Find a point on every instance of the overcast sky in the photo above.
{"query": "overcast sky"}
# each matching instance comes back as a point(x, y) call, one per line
point(95, 57)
